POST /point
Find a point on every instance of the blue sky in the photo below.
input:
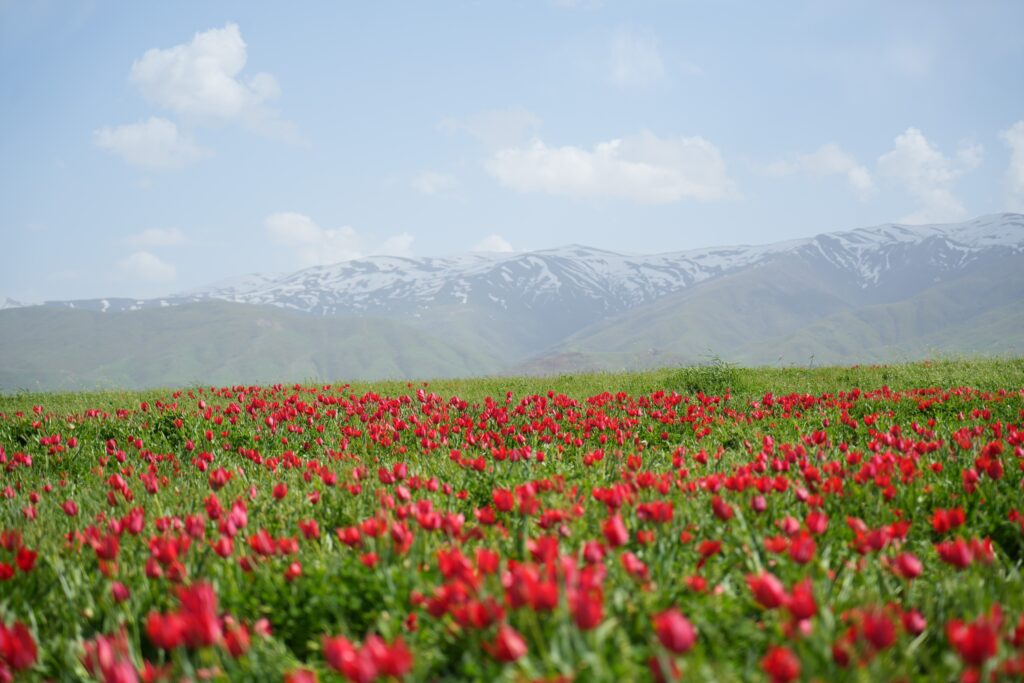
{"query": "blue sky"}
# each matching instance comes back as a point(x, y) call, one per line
point(149, 148)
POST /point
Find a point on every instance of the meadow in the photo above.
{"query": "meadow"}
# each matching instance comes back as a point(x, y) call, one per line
point(702, 524)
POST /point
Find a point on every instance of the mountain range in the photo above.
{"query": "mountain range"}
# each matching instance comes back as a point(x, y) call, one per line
point(879, 294)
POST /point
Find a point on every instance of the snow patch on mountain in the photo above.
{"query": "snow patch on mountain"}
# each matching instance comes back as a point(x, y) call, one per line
point(577, 275)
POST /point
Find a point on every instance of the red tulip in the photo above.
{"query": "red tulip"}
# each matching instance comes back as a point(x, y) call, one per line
point(301, 676)
point(956, 552)
point(587, 608)
point(119, 591)
point(508, 646)
point(976, 642)
point(781, 665)
point(914, 622)
point(165, 631)
point(17, 647)
point(767, 589)
point(26, 559)
point(310, 529)
point(722, 510)
point(817, 522)
point(635, 566)
point(945, 520)
point(503, 499)
point(224, 546)
point(802, 548)
point(675, 631)
point(337, 650)
point(908, 566)
point(389, 660)
point(199, 608)
point(878, 629)
point(614, 530)
point(236, 638)
point(801, 603)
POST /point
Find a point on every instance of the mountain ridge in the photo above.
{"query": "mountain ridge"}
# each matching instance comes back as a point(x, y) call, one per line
point(393, 284)
point(889, 292)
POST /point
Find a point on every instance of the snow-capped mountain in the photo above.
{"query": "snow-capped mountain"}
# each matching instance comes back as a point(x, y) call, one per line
point(881, 294)
point(877, 260)
point(8, 302)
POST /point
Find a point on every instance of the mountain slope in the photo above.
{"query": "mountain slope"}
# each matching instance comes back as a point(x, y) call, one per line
point(873, 294)
point(794, 310)
point(971, 313)
point(214, 342)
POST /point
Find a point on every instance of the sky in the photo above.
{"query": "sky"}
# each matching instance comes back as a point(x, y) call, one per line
point(150, 148)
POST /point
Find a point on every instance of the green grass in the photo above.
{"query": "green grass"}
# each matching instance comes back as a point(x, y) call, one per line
point(66, 600)
point(712, 377)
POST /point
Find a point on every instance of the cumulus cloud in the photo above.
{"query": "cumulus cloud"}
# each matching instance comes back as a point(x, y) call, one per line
point(147, 267)
point(1014, 137)
point(200, 78)
point(155, 143)
point(642, 168)
point(634, 60)
point(493, 244)
point(318, 246)
point(928, 175)
point(432, 183)
point(829, 159)
point(158, 237)
point(497, 128)
point(202, 81)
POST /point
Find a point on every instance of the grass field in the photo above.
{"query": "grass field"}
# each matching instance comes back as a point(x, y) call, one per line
point(709, 523)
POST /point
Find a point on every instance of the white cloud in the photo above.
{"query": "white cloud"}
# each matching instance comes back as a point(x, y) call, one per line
point(432, 183)
point(158, 237)
point(829, 159)
point(1014, 137)
point(493, 244)
point(155, 143)
point(320, 246)
point(142, 265)
point(634, 60)
point(200, 78)
point(202, 81)
point(396, 245)
point(497, 128)
point(642, 168)
point(315, 245)
point(927, 174)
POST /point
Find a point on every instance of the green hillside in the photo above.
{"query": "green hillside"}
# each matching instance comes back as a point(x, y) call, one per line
point(215, 342)
point(976, 313)
point(786, 313)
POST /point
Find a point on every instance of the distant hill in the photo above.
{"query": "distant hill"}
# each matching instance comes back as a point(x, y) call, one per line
point(788, 313)
point(886, 293)
point(213, 342)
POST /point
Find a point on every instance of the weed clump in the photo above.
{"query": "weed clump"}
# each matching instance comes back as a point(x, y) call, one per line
point(712, 378)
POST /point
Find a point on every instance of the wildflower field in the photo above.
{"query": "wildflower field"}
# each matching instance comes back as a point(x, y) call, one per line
point(706, 524)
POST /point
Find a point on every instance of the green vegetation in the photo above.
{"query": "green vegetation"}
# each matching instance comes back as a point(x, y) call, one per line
point(858, 522)
point(713, 376)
